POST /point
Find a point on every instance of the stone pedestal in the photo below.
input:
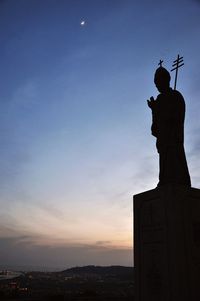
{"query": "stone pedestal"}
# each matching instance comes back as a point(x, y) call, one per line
point(167, 244)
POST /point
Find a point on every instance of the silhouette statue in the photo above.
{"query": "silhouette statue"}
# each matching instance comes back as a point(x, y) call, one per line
point(168, 114)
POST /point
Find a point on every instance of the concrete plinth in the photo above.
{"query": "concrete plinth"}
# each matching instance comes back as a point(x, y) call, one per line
point(167, 244)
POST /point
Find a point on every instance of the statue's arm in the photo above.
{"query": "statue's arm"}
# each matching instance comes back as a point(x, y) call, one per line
point(152, 104)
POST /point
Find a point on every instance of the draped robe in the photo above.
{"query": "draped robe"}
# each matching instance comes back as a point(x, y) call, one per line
point(168, 114)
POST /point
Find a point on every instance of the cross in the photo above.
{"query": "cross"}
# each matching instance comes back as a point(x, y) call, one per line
point(177, 64)
point(160, 63)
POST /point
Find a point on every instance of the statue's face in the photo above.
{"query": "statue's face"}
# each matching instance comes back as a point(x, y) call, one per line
point(162, 84)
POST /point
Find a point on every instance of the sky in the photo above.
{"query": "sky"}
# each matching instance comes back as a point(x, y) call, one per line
point(75, 143)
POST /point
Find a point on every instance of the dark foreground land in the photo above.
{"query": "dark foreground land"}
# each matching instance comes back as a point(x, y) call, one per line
point(81, 283)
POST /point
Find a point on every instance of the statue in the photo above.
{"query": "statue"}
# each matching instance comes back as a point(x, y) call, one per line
point(168, 114)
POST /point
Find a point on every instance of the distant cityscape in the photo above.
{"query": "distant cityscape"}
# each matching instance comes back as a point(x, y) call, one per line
point(79, 283)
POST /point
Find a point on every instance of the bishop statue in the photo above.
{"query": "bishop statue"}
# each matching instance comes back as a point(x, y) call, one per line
point(168, 114)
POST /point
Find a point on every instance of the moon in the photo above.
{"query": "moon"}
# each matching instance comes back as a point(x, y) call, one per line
point(83, 23)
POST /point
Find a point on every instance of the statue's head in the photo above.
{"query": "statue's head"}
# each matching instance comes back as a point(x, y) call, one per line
point(162, 79)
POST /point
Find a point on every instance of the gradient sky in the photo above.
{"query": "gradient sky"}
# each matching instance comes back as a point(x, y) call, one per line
point(75, 127)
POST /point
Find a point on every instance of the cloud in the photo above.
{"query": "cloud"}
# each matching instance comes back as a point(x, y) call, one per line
point(103, 242)
point(19, 251)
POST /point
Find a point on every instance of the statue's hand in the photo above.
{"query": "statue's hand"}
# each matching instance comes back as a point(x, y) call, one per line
point(151, 103)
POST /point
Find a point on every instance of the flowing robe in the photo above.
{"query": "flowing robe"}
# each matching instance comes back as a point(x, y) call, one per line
point(168, 114)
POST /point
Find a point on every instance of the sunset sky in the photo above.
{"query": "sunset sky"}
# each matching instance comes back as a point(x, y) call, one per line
point(75, 127)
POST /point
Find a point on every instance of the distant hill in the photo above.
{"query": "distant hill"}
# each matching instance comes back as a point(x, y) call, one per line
point(119, 272)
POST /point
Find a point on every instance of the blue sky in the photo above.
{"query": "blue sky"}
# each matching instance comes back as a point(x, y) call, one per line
point(75, 127)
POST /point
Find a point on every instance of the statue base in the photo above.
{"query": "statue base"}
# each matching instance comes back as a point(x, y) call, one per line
point(167, 244)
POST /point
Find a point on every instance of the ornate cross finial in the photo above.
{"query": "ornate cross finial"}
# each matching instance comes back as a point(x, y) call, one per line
point(177, 64)
point(160, 63)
